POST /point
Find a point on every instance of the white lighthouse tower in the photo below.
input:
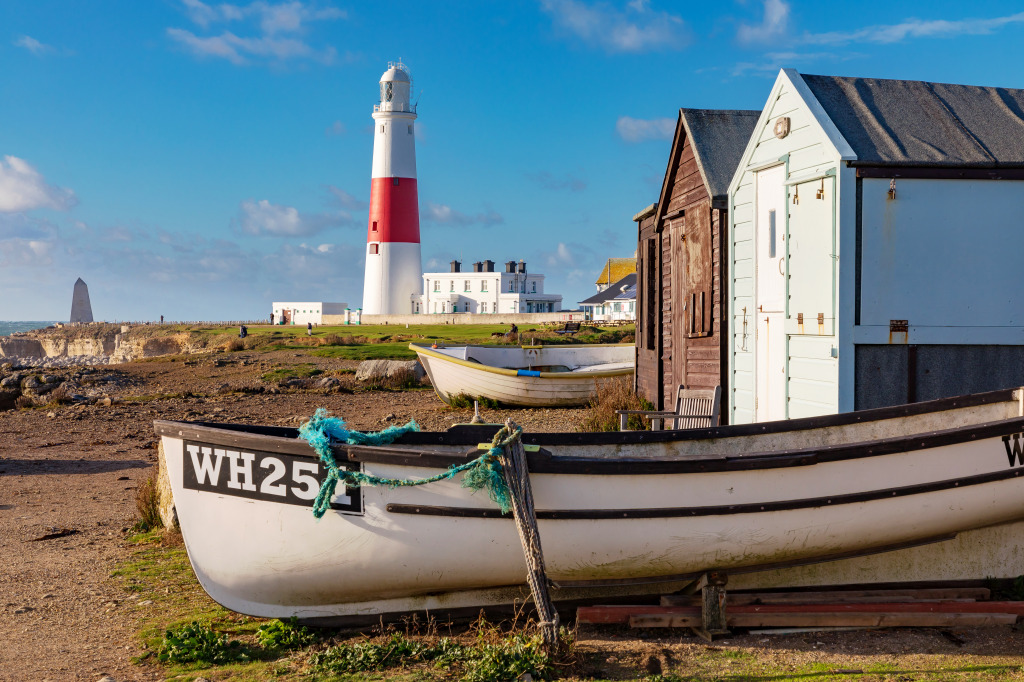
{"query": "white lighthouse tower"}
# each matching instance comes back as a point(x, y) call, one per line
point(394, 277)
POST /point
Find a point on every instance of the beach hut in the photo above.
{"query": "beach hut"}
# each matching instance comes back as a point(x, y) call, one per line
point(873, 246)
point(680, 244)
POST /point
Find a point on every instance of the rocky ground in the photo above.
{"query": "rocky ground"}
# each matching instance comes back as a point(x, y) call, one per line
point(69, 474)
point(68, 479)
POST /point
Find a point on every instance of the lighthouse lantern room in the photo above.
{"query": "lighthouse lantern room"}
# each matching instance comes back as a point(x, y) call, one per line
point(394, 277)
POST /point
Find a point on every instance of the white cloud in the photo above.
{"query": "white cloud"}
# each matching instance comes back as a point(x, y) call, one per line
point(346, 200)
point(276, 31)
point(23, 188)
point(638, 129)
point(772, 26)
point(770, 64)
point(562, 255)
point(913, 28)
point(335, 129)
point(31, 253)
point(442, 214)
point(33, 45)
point(267, 219)
point(635, 29)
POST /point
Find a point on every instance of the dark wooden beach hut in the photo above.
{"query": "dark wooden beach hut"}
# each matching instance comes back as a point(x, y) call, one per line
point(679, 257)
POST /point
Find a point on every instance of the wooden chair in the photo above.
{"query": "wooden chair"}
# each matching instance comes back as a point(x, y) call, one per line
point(696, 408)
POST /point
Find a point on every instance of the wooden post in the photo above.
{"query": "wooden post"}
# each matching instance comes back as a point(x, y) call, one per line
point(712, 590)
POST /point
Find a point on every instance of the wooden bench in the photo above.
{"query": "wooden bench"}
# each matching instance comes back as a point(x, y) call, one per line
point(569, 328)
point(696, 408)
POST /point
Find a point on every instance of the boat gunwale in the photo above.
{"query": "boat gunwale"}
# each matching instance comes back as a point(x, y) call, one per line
point(544, 463)
point(574, 376)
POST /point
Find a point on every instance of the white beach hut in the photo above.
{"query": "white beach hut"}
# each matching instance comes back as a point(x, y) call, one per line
point(875, 229)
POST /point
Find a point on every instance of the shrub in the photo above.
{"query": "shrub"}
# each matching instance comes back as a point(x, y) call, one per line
point(147, 503)
point(60, 395)
point(284, 635)
point(615, 394)
point(399, 380)
point(24, 402)
point(234, 345)
point(195, 643)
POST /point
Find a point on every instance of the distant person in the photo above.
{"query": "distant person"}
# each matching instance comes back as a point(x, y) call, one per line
point(309, 329)
point(271, 319)
point(513, 332)
point(161, 319)
point(242, 332)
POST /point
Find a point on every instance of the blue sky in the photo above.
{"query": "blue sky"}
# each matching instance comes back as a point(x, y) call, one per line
point(199, 160)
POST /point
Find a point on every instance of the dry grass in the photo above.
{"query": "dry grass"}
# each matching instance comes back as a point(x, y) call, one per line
point(59, 396)
point(147, 503)
point(615, 394)
point(24, 402)
point(398, 380)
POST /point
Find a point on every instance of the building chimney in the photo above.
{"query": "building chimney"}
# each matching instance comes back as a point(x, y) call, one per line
point(522, 267)
point(478, 267)
point(510, 266)
point(488, 266)
point(456, 266)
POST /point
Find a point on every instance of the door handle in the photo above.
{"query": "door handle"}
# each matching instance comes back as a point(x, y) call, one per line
point(780, 268)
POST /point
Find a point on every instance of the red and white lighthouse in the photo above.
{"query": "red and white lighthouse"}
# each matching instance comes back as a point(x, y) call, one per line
point(394, 276)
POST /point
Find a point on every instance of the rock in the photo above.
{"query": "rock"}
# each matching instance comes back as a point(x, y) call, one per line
point(328, 383)
point(104, 402)
point(12, 381)
point(7, 399)
point(375, 370)
point(388, 418)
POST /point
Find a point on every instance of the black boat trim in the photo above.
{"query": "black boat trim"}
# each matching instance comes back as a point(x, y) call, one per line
point(712, 510)
point(542, 462)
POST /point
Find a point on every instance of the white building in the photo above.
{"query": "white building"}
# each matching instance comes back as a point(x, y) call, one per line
point(304, 313)
point(485, 291)
point(616, 302)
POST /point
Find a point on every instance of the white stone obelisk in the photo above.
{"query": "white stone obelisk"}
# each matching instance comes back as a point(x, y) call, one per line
point(81, 308)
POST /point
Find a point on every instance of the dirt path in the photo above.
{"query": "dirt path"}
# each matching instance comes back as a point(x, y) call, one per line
point(76, 469)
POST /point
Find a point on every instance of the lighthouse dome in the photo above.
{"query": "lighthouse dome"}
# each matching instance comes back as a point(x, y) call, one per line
point(396, 74)
point(396, 88)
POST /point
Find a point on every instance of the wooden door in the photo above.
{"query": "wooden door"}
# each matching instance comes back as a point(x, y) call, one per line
point(680, 309)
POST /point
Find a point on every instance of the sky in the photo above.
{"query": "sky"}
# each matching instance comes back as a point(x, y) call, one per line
point(199, 160)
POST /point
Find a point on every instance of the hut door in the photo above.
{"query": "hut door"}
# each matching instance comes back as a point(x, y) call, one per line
point(679, 307)
point(769, 226)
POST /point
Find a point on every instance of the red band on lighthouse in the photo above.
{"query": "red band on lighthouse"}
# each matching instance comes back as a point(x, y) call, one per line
point(394, 211)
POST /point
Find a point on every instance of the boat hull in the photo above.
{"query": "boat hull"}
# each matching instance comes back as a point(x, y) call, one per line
point(606, 520)
point(454, 376)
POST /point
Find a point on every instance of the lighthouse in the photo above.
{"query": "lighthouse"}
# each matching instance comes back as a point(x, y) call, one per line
point(394, 278)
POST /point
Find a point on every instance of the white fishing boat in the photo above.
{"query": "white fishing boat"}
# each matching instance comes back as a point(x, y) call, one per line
point(527, 376)
point(616, 511)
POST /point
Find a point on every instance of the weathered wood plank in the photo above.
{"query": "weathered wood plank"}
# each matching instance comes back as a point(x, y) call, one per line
point(840, 596)
point(876, 619)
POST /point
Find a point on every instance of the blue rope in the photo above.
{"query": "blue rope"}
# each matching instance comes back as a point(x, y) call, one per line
point(484, 472)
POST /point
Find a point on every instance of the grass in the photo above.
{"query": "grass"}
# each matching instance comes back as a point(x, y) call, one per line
point(303, 370)
point(198, 638)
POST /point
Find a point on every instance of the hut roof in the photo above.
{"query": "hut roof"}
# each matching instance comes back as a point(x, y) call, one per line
point(916, 123)
point(718, 138)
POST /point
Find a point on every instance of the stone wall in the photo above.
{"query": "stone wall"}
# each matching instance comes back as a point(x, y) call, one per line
point(464, 318)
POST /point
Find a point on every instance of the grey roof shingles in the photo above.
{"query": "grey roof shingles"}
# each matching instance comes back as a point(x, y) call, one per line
point(916, 123)
point(718, 138)
point(613, 291)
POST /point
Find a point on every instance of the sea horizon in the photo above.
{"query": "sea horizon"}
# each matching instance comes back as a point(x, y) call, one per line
point(8, 327)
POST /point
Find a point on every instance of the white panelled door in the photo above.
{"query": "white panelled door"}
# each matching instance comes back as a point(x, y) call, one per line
point(770, 230)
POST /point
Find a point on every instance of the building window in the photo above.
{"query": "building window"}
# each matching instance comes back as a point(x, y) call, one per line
point(395, 182)
point(437, 287)
point(374, 249)
point(382, 127)
point(534, 287)
point(466, 286)
point(451, 285)
point(483, 285)
point(374, 225)
point(483, 307)
point(511, 286)
point(410, 129)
